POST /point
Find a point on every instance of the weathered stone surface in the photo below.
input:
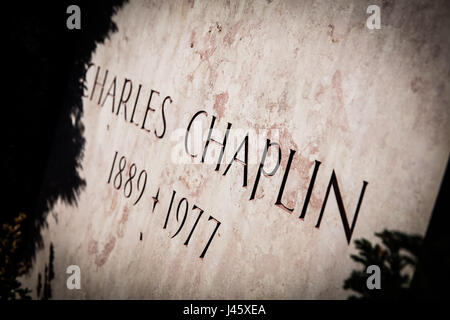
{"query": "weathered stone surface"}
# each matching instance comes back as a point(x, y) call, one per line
point(372, 105)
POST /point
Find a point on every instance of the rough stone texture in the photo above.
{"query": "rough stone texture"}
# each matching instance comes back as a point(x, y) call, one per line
point(371, 104)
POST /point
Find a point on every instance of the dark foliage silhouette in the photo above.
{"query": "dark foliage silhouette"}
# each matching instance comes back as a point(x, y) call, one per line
point(398, 251)
point(12, 266)
point(46, 65)
point(49, 275)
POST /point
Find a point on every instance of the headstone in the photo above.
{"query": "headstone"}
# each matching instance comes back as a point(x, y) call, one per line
point(358, 116)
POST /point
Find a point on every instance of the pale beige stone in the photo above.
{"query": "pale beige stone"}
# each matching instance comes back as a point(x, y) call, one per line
point(372, 105)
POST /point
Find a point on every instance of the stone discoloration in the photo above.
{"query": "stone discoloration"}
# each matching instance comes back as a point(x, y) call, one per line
point(219, 104)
